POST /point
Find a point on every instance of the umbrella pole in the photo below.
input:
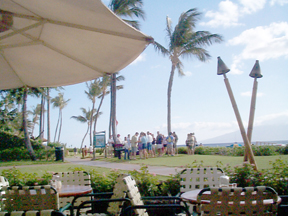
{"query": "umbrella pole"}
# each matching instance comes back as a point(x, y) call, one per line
point(239, 120)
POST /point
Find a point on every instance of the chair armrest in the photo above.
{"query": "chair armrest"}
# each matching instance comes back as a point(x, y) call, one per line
point(82, 205)
point(66, 207)
point(167, 198)
point(129, 209)
point(92, 195)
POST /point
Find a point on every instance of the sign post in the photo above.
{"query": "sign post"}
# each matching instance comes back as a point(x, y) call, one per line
point(99, 141)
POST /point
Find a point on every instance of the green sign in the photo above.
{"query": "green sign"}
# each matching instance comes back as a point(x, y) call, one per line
point(99, 140)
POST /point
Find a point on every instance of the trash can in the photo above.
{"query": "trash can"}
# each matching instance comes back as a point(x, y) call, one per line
point(59, 153)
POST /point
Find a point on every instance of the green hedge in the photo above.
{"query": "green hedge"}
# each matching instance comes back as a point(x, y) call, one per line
point(8, 140)
point(237, 151)
point(17, 154)
point(150, 185)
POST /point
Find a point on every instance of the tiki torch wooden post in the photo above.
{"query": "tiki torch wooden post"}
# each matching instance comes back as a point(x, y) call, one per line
point(255, 73)
point(222, 70)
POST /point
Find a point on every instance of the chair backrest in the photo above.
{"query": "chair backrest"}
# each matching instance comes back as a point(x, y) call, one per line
point(114, 207)
point(73, 178)
point(236, 201)
point(134, 195)
point(26, 198)
point(199, 178)
point(119, 191)
point(33, 213)
point(3, 182)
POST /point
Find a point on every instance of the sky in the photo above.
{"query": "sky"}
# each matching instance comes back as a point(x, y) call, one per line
point(252, 30)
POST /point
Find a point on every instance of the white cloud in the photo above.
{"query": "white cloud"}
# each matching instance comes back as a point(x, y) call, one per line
point(188, 73)
point(155, 66)
point(140, 58)
point(229, 13)
point(249, 94)
point(252, 6)
point(280, 2)
point(261, 43)
point(226, 16)
point(274, 118)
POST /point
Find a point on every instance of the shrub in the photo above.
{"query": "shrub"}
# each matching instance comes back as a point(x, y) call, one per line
point(17, 154)
point(7, 140)
point(14, 154)
point(200, 150)
point(147, 183)
point(283, 150)
point(182, 150)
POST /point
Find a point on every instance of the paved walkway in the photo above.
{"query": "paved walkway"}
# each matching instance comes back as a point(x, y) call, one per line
point(158, 170)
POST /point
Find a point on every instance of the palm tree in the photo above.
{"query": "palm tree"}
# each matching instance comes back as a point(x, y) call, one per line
point(59, 102)
point(123, 8)
point(103, 84)
point(19, 96)
point(94, 91)
point(112, 122)
point(35, 116)
point(85, 118)
point(184, 41)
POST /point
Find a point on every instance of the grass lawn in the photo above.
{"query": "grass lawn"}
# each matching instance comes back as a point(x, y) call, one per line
point(208, 160)
point(177, 161)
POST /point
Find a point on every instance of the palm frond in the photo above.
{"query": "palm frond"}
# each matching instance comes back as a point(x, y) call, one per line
point(128, 8)
point(79, 118)
point(120, 78)
point(199, 52)
point(119, 87)
point(186, 24)
point(133, 23)
point(169, 26)
point(203, 38)
point(161, 49)
point(179, 67)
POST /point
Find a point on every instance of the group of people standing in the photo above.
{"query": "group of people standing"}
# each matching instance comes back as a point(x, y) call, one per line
point(145, 143)
point(191, 143)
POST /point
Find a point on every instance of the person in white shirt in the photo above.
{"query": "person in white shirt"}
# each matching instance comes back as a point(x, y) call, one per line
point(127, 147)
point(110, 146)
point(90, 150)
point(119, 146)
point(149, 144)
point(134, 142)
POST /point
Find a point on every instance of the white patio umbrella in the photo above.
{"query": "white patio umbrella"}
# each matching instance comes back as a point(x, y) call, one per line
point(49, 43)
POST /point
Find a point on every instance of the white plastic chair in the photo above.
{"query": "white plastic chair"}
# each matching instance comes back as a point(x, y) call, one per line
point(237, 201)
point(73, 178)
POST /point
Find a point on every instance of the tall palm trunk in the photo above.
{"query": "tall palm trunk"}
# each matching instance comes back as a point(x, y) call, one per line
point(48, 115)
point(60, 127)
point(26, 134)
point(170, 83)
point(41, 123)
point(110, 119)
point(91, 120)
point(113, 105)
point(98, 110)
point(57, 126)
point(84, 137)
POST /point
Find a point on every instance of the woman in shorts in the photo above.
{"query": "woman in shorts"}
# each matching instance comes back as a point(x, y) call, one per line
point(164, 145)
point(144, 145)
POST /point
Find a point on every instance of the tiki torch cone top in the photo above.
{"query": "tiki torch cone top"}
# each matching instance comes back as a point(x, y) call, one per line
point(222, 68)
point(256, 71)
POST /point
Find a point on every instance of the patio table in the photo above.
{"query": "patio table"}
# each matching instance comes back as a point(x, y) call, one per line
point(191, 197)
point(74, 190)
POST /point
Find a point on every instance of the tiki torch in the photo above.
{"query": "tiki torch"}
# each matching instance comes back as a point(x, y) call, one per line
point(222, 69)
point(255, 73)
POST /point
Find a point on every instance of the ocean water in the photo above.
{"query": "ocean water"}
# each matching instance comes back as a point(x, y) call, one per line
point(231, 143)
